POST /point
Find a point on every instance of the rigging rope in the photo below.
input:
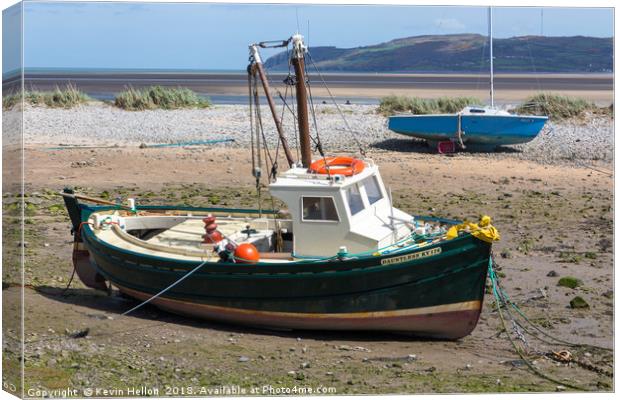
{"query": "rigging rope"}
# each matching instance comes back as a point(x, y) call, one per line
point(529, 50)
point(274, 161)
point(259, 133)
point(346, 123)
point(250, 78)
point(317, 142)
point(293, 111)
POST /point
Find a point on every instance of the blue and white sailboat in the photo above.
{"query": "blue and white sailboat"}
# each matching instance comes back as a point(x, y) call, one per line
point(486, 126)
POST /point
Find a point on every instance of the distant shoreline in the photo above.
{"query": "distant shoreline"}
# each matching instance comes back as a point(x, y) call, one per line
point(360, 88)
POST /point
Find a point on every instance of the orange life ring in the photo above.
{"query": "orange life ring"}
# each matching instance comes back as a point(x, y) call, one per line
point(347, 166)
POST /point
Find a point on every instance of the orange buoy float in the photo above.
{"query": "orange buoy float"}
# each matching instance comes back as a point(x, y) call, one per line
point(246, 253)
point(347, 166)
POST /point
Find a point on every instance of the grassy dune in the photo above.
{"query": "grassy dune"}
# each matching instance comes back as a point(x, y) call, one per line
point(558, 107)
point(159, 97)
point(67, 97)
point(155, 97)
point(417, 105)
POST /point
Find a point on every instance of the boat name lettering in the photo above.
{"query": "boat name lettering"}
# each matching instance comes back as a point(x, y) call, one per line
point(409, 257)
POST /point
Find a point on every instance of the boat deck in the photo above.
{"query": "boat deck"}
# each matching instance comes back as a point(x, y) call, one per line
point(188, 234)
point(184, 240)
point(121, 239)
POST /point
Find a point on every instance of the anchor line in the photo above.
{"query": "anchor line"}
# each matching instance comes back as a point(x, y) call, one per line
point(508, 302)
point(502, 300)
point(166, 289)
point(518, 350)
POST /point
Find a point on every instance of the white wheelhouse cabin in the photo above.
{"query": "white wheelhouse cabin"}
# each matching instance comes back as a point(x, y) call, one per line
point(329, 212)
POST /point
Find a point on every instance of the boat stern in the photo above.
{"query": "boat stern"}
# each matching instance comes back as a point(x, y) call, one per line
point(82, 261)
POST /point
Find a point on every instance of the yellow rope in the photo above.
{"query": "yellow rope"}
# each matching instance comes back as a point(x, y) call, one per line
point(483, 230)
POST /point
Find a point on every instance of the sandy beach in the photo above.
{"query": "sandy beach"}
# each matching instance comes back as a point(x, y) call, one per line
point(551, 200)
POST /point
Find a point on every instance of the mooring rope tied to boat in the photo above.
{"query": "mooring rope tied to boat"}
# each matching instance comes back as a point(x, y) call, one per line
point(501, 298)
point(517, 349)
point(508, 302)
point(553, 355)
point(166, 289)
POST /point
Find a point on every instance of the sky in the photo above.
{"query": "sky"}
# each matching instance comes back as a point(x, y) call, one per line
point(216, 36)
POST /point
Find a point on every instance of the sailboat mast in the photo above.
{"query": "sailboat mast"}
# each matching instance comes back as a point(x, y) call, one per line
point(297, 60)
point(491, 51)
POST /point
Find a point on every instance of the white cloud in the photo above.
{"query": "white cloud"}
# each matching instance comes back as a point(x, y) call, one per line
point(450, 24)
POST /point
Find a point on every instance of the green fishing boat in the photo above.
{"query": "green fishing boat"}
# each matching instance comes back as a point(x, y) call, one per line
point(340, 257)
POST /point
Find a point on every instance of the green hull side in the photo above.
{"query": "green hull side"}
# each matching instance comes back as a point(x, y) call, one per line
point(456, 274)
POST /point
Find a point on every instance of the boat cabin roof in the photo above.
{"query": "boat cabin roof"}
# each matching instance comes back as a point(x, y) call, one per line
point(301, 179)
point(472, 110)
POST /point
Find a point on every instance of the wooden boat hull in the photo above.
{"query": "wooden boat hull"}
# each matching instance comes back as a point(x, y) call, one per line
point(435, 291)
point(448, 321)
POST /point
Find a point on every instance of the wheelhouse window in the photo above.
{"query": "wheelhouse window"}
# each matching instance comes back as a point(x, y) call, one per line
point(373, 190)
point(354, 198)
point(318, 209)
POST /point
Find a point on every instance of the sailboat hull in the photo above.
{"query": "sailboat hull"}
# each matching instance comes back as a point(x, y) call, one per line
point(477, 129)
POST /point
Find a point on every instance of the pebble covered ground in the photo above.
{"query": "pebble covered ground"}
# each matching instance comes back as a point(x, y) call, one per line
point(589, 139)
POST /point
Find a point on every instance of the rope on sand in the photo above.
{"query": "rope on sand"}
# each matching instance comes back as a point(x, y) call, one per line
point(502, 300)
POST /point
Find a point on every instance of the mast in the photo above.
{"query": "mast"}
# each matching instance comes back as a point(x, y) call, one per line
point(255, 56)
point(491, 49)
point(297, 60)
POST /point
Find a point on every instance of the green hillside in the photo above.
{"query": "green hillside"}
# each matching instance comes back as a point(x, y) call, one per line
point(465, 53)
